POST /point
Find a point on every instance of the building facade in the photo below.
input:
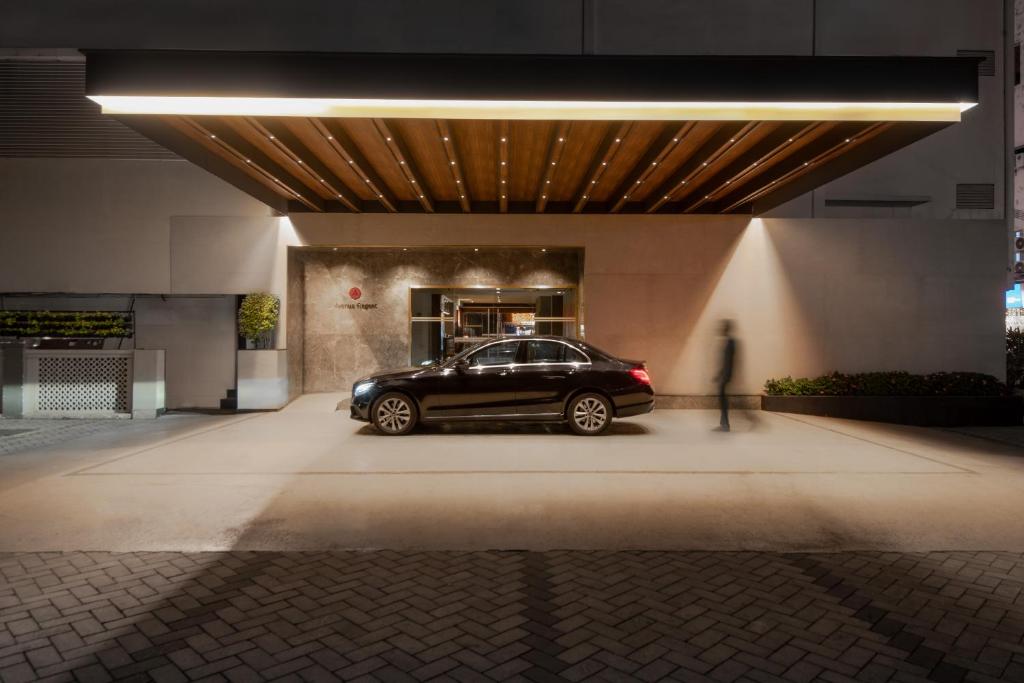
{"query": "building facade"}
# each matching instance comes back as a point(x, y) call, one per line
point(898, 264)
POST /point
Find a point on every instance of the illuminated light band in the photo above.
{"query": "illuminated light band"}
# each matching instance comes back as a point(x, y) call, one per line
point(533, 109)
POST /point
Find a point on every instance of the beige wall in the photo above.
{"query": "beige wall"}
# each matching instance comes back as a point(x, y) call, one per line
point(96, 225)
point(808, 295)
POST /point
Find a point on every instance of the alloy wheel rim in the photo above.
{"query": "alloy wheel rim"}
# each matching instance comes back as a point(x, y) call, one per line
point(393, 415)
point(590, 414)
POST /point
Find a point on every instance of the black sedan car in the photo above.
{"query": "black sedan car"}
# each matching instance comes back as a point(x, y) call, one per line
point(535, 379)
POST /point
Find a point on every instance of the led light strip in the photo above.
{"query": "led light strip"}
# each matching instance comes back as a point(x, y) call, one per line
point(533, 109)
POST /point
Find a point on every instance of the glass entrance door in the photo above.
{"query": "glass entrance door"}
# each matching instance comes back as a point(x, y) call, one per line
point(446, 320)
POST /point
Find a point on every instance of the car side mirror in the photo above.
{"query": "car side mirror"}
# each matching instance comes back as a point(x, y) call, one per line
point(461, 365)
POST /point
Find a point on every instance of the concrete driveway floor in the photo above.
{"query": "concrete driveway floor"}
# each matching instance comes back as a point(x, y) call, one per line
point(309, 478)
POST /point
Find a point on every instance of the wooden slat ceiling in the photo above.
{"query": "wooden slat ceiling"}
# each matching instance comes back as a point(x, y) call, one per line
point(520, 166)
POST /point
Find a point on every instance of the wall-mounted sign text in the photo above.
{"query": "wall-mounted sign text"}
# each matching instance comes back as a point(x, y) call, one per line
point(356, 294)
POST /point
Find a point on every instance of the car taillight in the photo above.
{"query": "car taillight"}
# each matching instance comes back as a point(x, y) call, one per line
point(640, 375)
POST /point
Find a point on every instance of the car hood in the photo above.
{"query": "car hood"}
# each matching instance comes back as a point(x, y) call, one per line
point(405, 373)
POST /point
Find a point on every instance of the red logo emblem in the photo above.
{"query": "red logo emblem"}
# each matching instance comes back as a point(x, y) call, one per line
point(355, 293)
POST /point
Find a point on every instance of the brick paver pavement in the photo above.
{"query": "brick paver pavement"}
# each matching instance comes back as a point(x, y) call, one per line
point(403, 616)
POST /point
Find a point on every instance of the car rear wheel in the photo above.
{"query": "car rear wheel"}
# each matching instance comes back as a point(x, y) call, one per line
point(589, 414)
point(394, 414)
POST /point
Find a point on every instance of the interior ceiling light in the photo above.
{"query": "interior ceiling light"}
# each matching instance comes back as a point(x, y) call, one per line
point(532, 109)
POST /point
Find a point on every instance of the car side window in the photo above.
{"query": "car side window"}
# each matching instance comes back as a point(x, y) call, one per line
point(495, 354)
point(544, 351)
point(574, 356)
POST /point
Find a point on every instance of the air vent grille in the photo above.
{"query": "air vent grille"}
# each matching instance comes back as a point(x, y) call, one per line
point(987, 65)
point(976, 196)
point(44, 113)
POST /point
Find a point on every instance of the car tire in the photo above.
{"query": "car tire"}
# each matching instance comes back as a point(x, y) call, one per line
point(394, 414)
point(589, 414)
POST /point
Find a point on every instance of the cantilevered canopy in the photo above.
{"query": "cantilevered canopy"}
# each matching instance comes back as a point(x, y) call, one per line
point(335, 132)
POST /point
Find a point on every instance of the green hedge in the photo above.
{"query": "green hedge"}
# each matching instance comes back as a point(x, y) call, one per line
point(80, 324)
point(888, 384)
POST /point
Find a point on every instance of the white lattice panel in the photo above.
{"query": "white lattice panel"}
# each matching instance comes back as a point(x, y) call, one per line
point(78, 383)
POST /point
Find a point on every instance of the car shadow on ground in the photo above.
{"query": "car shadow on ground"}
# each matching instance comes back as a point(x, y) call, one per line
point(508, 428)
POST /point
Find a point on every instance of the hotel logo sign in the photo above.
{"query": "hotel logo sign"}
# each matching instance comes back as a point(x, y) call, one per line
point(355, 294)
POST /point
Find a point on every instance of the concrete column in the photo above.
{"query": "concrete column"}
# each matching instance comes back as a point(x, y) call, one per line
point(262, 379)
point(13, 379)
point(148, 387)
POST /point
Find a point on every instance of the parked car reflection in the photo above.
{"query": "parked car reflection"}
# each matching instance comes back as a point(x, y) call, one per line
point(539, 379)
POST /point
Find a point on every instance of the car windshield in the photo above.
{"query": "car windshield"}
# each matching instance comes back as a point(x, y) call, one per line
point(464, 353)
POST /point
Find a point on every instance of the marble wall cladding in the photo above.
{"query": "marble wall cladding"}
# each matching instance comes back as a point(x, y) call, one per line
point(347, 334)
point(294, 331)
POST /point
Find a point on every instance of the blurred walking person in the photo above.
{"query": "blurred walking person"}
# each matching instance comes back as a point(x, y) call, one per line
point(724, 375)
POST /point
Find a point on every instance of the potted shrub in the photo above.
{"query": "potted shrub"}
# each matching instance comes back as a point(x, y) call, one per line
point(257, 318)
point(262, 370)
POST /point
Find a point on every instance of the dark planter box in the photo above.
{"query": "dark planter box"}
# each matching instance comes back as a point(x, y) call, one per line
point(924, 411)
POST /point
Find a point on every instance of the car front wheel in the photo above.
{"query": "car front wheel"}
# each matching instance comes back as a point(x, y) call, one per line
point(589, 414)
point(394, 414)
